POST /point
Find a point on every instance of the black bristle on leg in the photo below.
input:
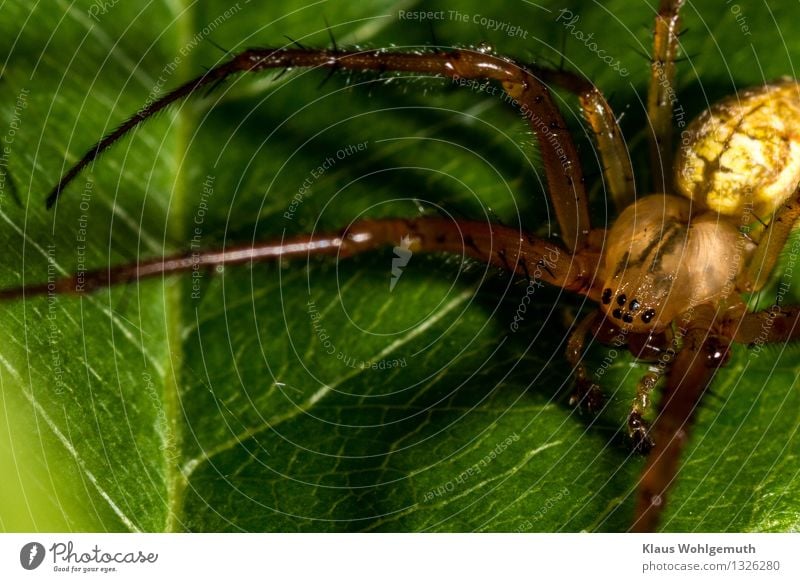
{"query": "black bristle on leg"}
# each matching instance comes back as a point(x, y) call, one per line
point(215, 44)
point(295, 42)
point(334, 46)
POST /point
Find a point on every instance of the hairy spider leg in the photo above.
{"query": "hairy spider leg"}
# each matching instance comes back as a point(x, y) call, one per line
point(499, 246)
point(586, 392)
point(531, 96)
point(691, 373)
point(661, 95)
point(772, 241)
point(607, 134)
point(705, 350)
point(776, 324)
point(638, 427)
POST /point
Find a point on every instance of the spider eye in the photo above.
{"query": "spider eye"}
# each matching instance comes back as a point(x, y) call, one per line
point(607, 296)
point(635, 305)
point(648, 315)
point(621, 299)
point(617, 313)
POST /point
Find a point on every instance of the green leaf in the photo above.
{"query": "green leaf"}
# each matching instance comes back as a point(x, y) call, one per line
point(240, 400)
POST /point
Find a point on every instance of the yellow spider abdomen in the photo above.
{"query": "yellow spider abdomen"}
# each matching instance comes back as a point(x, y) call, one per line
point(743, 152)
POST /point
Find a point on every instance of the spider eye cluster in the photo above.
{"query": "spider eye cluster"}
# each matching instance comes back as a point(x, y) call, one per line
point(633, 307)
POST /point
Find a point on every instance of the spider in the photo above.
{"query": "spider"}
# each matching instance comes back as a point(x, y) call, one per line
point(667, 276)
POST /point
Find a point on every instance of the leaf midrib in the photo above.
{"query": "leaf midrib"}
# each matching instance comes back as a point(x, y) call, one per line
point(176, 225)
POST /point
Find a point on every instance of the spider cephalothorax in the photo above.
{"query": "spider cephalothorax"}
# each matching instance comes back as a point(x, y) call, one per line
point(668, 275)
point(661, 260)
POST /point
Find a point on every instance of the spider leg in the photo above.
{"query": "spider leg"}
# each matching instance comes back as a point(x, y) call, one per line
point(638, 428)
point(607, 133)
point(773, 240)
point(496, 245)
point(661, 94)
point(531, 96)
point(586, 393)
point(693, 369)
point(660, 350)
point(774, 325)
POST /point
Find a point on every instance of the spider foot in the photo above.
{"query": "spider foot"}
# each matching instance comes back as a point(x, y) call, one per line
point(587, 395)
point(639, 433)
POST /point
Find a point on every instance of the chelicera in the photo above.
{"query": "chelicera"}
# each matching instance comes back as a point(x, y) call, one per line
point(668, 276)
